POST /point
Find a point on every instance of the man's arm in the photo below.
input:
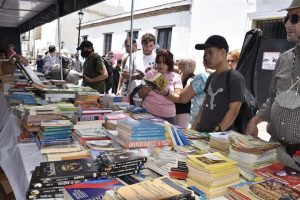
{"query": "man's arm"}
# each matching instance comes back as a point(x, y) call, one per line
point(102, 76)
point(186, 94)
point(198, 118)
point(230, 115)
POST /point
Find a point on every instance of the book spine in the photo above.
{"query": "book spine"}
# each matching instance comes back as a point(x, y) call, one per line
point(147, 129)
point(147, 137)
point(40, 193)
point(90, 117)
point(79, 177)
point(141, 144)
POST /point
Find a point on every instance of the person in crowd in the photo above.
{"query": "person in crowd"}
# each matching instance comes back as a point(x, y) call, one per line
point(77, 63)
point(124, 76)
point(69, 75)
point(144, 61)
point(51, 59)
point(233, 59)
point(40, 62)
point(7, 66)
point(194, 92)
point(161, 102)
point(186, 69)
point(116, 75)
point(94, 71)
point(224, 94)
point(282, 109)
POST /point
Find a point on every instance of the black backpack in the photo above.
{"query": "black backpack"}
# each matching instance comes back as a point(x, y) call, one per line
point(247, 111)
point(109, 69)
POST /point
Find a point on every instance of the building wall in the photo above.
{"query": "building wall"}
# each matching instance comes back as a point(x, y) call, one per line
point(180, 32)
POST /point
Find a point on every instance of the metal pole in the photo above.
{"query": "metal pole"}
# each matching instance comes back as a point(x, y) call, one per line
point(131, 36)
point(79, 28)
point(59, 41)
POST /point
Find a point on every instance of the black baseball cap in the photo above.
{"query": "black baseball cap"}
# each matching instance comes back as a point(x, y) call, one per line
point(85, 44)
point(214, 41)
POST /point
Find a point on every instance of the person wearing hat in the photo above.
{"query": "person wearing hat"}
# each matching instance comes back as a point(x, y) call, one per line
point(224, 88)
point(282, 109)
point(94, 71)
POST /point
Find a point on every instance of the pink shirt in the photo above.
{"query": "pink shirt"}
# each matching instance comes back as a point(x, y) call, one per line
point(160, 105)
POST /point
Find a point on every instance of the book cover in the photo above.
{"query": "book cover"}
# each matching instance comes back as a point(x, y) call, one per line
point(103, 145)
point(212, 161)
point(268, 189)
point(159, 188)
point(90, 189)
point(91, 132)
point(157, 81)
point(281, 173)
point(121, 157)
point(68, 170)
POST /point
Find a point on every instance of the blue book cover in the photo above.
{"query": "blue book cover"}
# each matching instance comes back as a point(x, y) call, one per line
point(182, 137)
point(90, 189)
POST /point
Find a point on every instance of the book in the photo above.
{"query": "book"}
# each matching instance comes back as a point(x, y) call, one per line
point(90, 189)
point(281, 173)
point(44, 193)
point(91, 132)
point(159, 188)
point(156, 82)
point(103, 145)
point(60, 148)
point(212, 161)
point(68, 170)
point(267, 189)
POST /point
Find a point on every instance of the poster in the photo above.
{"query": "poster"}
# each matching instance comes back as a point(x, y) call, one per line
point(269, 60)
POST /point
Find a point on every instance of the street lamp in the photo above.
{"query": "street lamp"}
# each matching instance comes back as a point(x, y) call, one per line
point(80, 16)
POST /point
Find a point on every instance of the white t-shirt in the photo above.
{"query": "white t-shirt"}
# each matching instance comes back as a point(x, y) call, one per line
point(142, 62)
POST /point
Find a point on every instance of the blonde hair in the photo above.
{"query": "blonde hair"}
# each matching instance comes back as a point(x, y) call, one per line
point(188, 62)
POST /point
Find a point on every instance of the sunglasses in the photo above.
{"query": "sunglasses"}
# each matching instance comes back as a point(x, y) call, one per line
point(293, 19)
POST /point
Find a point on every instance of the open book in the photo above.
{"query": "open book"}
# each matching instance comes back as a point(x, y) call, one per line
point(157, 82)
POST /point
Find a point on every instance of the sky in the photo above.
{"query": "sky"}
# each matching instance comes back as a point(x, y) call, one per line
point(138, 4)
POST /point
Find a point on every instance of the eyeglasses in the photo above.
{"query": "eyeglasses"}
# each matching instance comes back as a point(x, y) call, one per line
point(293, 19)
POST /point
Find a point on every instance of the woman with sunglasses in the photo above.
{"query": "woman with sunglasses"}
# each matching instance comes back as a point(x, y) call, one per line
point(161, 102)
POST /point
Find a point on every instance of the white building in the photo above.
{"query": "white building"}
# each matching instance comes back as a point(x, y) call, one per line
point(178, 24)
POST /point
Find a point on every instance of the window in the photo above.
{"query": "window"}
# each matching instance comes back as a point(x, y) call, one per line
point(84, 37)
point(107, 42)
point(164, 36)
point(272, 28)
point(135, 34)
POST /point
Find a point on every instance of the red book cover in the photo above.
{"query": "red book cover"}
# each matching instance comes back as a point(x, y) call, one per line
point(281, 173)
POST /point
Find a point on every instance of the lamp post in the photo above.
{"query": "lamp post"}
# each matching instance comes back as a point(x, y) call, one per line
point(80, 16)
point(62, 44)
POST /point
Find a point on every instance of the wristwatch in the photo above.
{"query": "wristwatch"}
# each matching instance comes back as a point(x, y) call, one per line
point(217, 128)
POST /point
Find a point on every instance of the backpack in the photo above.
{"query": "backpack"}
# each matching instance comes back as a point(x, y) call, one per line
point(247, 111)
point(109, 69)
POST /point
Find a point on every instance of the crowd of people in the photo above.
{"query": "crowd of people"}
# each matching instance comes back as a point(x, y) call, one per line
point(206, 103)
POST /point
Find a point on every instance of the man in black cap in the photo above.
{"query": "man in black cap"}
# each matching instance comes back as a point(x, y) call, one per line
point(94, 71)
point(282, 109)
point(224, 88)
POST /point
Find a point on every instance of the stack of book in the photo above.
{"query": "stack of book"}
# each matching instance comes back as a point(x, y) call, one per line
point(82, 135)
point(250, 152)
point(115, 102)
point(48, 179)
point(59, 94)
point(219, 141)
point(67, 109)
point(55, 132)
point(27, 98)
point(133, 133)
point(121, 162)
point(64, 152)
point(87, 99)
point(111, 119)
point(158, 189)
point(34, 115)
point(89, 117)
point(266, 189)
point(212, 173)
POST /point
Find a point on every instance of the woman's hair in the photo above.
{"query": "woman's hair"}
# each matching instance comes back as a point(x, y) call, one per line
point(167, 58)
point(190, 63)
point(234, 54)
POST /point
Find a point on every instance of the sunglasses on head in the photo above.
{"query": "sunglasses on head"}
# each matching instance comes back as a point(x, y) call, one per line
point(293, 19)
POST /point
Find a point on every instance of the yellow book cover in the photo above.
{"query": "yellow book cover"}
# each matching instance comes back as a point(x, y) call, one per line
point(212, 161)
point(159, 188)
